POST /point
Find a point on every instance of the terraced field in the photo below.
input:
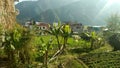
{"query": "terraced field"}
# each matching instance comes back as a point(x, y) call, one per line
point(102, 60)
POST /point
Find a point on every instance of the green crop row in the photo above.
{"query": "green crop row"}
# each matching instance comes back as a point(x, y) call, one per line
point(102, 60)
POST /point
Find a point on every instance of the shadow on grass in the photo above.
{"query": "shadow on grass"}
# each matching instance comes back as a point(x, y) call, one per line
point(80, 50)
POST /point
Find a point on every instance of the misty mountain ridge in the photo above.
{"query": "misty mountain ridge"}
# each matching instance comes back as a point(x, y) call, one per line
point(82, 11)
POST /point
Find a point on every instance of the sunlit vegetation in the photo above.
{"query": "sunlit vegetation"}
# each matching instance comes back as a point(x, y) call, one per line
point(25, 48)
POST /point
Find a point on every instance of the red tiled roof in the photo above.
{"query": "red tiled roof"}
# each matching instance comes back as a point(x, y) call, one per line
point(43, 24)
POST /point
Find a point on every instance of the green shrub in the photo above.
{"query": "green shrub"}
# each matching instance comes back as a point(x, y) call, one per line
point(18, 46)
point(114, 41)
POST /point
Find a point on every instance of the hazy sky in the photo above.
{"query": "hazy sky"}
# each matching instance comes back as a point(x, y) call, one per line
point(24, 0)
point(36, 0)
point(27, 0)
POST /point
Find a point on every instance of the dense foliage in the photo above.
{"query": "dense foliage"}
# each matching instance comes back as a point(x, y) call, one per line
point(113, 33)
point(17, 46)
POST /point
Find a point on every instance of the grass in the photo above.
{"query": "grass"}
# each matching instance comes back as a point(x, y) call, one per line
point(73, 64)
point(67, 61)
point(71, 42)
point(106, 48)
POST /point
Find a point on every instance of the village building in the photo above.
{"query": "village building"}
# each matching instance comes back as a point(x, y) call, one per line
point(41, 26)
point(96, 29)
point(76, 27)
point(28, 24)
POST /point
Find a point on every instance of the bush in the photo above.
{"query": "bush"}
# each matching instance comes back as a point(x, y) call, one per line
point(17, 46)
point(114, 41)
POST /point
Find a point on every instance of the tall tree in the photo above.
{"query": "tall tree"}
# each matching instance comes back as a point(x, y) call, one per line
point(113, 33)
point(113, 23)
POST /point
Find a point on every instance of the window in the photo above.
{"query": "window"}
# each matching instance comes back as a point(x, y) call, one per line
point(44, 27)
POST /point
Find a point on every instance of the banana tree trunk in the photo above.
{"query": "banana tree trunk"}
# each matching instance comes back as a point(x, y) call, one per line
point(7, 14)
point(58, 42)
point(65, 42)
point(46, 59)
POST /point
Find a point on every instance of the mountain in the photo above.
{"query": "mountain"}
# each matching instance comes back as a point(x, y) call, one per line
point(77, 12)
point(92, 12)
point(30, 9)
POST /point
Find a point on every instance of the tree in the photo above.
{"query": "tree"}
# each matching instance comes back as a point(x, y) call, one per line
point(113, 23)
point(113, 33)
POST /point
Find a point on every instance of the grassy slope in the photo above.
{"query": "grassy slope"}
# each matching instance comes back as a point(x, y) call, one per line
point(69, 60)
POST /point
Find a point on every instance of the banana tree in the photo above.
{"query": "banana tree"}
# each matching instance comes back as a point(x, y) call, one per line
point(93, 38)
point(43, 49)
point(14, 43)
point(9, 47)
point(55, 31)
point(65, 33)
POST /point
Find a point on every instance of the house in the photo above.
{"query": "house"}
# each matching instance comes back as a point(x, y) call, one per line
point(28, 24)
point(96, 29)
point(41, 26)
point(85, 28)
point(76, 27)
